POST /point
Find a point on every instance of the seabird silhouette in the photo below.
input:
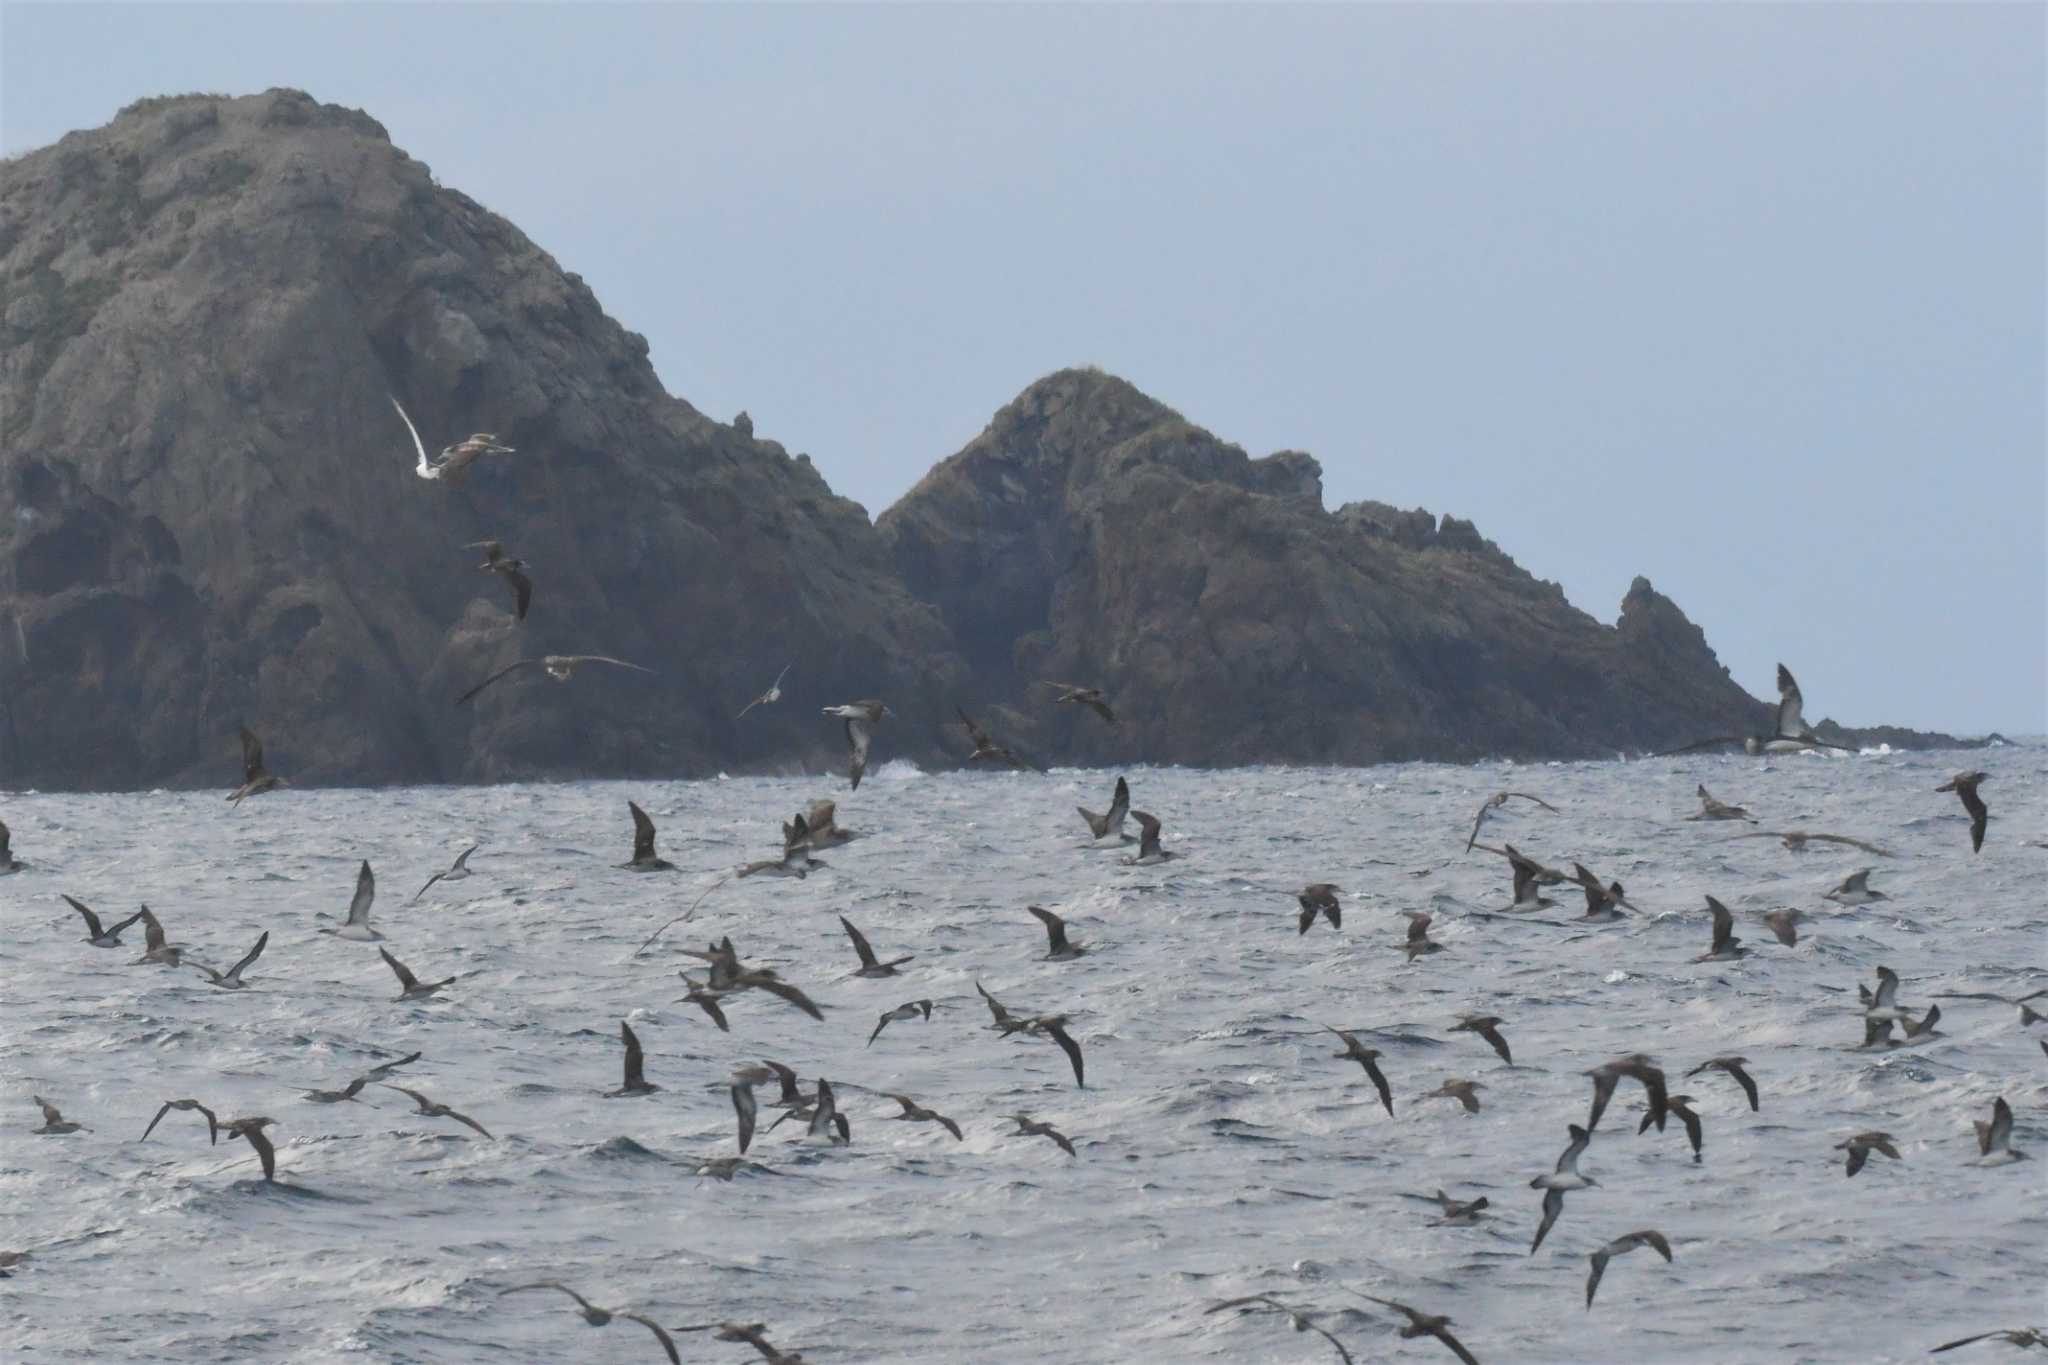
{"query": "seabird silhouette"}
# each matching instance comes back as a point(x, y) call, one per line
point(796, 860)
point(752, 1333)
point(1258, 1303)
point(155, 947)
point(1319, 897)
point(1621, 1246)
point(454, 461)
point(1060, 950)
point(1418, 941)
point(1053, 1026)
point(212, 1122)
point(2021, 1336)
point(256, 779)
point(1457, 1213)
point(434, 1110)
point(1565, 1177)
point(1112, 820)
point(728, 975)
point(454, 874)
point(1030, 1127)
point(1149, 851)
point(1528, 875)
point(1855, 890)
point(1368, 1058)
point(560, 667)
point(1679, 1105)
point(1495, 802)
point(8, 862)
point(54, 1123)
point(1487, 1026)
point(1884, 1002)
point(347, 1092)
point(861, 718)
point(2027, 1016)
point(1090, 697)
point(94, 934)
point(1710, 809)
point(1796, 840)
point(1862, 1145)
point(987, 750)
point(644, 859)
point(1421, 1324)
point(914, 1112)
point(498, 562)
point(1463, 1091)
point(1994, 1139)
point(1785, 924)
point(411, 987)
point(358, 925)
point(768, 698)
point(1726, 947)
point(869, 966)
point(231, 979)
point(1964, 785)
point(821, 1117)
point(1637, 1067)
point(1603, 902)
point(705, 1000)
point(912, 1010)
point(1791, 734)
point(823, 823)
point(252, 1129)
point(600, 1317)
point(636, 1082)
point(1734, 1067)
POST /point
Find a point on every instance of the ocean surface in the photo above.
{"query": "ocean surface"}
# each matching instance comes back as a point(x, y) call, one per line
point(1222, 1149)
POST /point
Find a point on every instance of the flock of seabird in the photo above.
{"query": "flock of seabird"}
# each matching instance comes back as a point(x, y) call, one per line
point(728, 977)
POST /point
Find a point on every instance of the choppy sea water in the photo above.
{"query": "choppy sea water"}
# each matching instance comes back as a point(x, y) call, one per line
point(1222, 1149)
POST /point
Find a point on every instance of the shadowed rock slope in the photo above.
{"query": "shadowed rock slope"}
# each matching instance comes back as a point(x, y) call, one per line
point(1091, 534)
point(208, 511)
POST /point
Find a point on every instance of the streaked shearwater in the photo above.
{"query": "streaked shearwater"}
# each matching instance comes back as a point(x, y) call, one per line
point(212, 1122)
point(1862, 1145)
point(252, 1129)
point(1790, 735)
point(644, 858)
point(599, 1317)
point(8, 862)
point(1487, 1026)
point(1319, 898)
point(768, 698)
point(511, 570)
point(1734, 1067)
point(1110, 821)
point(1681, 1106)
point(231, 979)
point(1030, 1127)
point(435, 1110)
point(1994, 1139)
point(1565, 1177)
point(54, 1123)
point(1463, 1091)
point(1090, 697)
point(1725, 947)
point(1603, 900)
point(1785, 924)
point(1060, 950)
point(1621, 1246)
point(94, 934)
point(1796, 840)
point(2020, 1336)
point(1637, 1067)
point(861, 718)
point(1266, 1303)
point(870, 966)
point(636, 1082)
point(1855, 890)
point(986, 750)
point(1457, 1213)
point(1368, 1058)
point(454, 461)
point(912, 1010)
point(1149, 851)
point(560, 667)
point(1710, 809)
point(1418, 942)
point(411, 987)
point(914, 1112)
point(155, 947)
point(256, 779)
point(1495, 802)
point(358, 925)
point(454, 874)
point(1421, 1324)
point(1964, 785)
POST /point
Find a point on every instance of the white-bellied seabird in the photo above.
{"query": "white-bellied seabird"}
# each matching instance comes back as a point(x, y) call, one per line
point(1266, 1303)
point(1110, 821)
point(796, 860)
point(1005, 1023)
point(252, 1129)
point(1681, 1106)
point(1463, 1091)
point(986, 750)
point(231, 979)
point(913, 1010)
point(1528, 875)
point(454, 461)
point(1796, 840)
point(768, 698)
point(1090, 697)
point(1710, 809)
point(869, 965)
point(822, 1118)
point(599, 1317)
point(1368, 1058)
point(2028, 1016)
point(1785, 924)
point(212, 1122)
point(453, 874)
point(94, 934)
point(1725, 947)
point(822, 820)
point(914, 1112)
point(644, 858)
point(728, 975)
point(383, 1069)
point(1457, 1213)
point(705, 1000)
point(256, 779)
point(1487, 1026)
point(560, 667)
point(1565, 1177)
point(54, 1123)
point(155, 947)
point(861, 718)
point(1059, 949)
point(1495, 802)
point(1790, 735)
point(1994, 1139)
point(346, 1093)
point(1855, 890)
point(1964, 785)
point(8, 862)
point(1884, 1002)
point(1319, 898)
point(2020, 1336)
point(358, 925)
point(1421, 1324)
point(1030, 1127)
point(1603, 901)
point(744, 1108)
point(636, 1082)
point(434, 1110)
point(789, 1091)
point(1621, 1246)
point(1418, 941)
point(1862, 1145)
point(1149, 851)
point(1734, 1067)
point(511, 570)
point(411, 987)
point(1637, 1067)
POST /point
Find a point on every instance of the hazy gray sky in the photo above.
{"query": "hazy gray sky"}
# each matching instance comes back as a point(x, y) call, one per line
point(1745, 298)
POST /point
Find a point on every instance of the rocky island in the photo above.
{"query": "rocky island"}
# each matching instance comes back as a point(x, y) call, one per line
point(209, 515)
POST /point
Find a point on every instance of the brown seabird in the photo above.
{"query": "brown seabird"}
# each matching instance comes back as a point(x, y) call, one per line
point(1710, 809)
point(1421, 1324)
point(1621, 1246)
point(54, 1123)
point(560, 667)
point(1726, 947)
point(252, 1130)
point(1368, 1058)
point(913, 1112)
point(1030, 1127)
point(1734, 1067)
point(231, 979)
point(1090, 697)
point(986, 750)
point(1964, 785)
point(1149, 851)
point(212, 1122)
point(511, 570)
point(644, 858)
point(1418, 942)
point(1681, 1106)
point(1495, 802)
point(1638, 1067)
point(1112, 820)
point(1463, 1091)
point(1059, 949)
point(600, 1317)
point(1319, 897)
point(870, 966)
point(455, 460)
point(861, 718)
point(357, 926)
point(914, 1009)
point(1862, 1145)
point(156, 948)
point(8, 862)
point(768, 698)
point(1994, 1139)
point(1565, 1177)
point(94, 934)
point(435, 1110)
point(636, 1082)
point(454, 874)
point(1457, 1213)
point(411, 987)
point(256, 779)
point(1487, 1026)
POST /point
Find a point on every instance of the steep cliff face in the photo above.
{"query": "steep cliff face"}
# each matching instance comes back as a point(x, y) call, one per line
point(1091, 534)
point(208, 511)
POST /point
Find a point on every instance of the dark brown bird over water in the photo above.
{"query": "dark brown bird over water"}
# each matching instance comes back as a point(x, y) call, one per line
point(256, 778)
point(1964, 785)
